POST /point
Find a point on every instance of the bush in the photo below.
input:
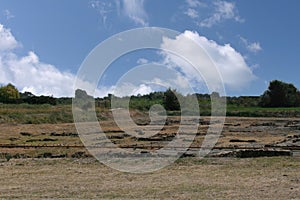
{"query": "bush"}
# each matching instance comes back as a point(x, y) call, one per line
point(9, 94)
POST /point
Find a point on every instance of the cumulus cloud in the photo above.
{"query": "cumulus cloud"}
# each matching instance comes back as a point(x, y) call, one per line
point(28, 73)
point(129, 89)
point(223, 11)
point(253, 47)
point(31, 74)
point(179, 82)
point(7, 40)
point(153, 76)
point(231, 65)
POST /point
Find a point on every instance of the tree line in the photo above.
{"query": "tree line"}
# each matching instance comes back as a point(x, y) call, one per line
point(9, 94)
point(278, 94)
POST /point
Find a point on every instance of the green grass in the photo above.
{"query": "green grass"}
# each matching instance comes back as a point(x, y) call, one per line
point(262, 112)
point(40, 114)
point(35, 114)
point(253, 109)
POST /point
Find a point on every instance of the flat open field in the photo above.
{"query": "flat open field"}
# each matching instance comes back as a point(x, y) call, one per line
point(48, 161)
point(188, 178)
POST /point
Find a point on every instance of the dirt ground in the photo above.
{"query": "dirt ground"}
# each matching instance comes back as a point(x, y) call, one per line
point(237, 133)
point(188, 178)
point(39, 174)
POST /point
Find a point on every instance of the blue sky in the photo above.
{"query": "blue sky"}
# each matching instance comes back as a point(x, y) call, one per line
point(43, 43)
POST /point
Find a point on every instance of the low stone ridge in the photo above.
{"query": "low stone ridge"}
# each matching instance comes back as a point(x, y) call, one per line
point(252, 153)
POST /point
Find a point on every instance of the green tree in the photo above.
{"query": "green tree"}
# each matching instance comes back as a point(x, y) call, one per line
point(9, 93)
point(280, 94)
point(171, 102)
point(26, 95)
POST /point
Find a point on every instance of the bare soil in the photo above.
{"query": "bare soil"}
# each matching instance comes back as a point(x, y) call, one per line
point(237, 133)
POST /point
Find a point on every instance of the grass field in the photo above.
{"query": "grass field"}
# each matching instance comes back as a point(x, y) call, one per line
point(35, 114)
point(39, 114)
point(189, 178)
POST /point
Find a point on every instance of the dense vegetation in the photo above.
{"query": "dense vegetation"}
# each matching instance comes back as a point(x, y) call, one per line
point(9, 93)
point(279, 100)
point(280, 94)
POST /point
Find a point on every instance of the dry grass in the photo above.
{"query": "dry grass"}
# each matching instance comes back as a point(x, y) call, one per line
point(188, 178)
point(222, 178)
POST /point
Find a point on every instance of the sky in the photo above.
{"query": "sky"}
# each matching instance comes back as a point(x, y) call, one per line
point(44, 43)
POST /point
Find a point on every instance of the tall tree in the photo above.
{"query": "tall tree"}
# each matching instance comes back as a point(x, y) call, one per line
point(171, 100)
point(280, 94)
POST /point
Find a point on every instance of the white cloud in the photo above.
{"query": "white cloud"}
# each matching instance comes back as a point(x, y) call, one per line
point(129, 89)
point(223, 11)
point(178, 82)
point(149, 78)
point(194, 3)
point(252, 47)
point(8, 14)
point(232, 67)
point(192, 13)
point(134, 9)
point(192, 9)
point(28, 73)
point(7, 40)
point(142, 61)
point(103, 8)
point(142, 90)
point(255, 47)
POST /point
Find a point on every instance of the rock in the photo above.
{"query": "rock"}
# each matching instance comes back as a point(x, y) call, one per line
point(25, 134)
point(239, 140)
point(252, 153)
